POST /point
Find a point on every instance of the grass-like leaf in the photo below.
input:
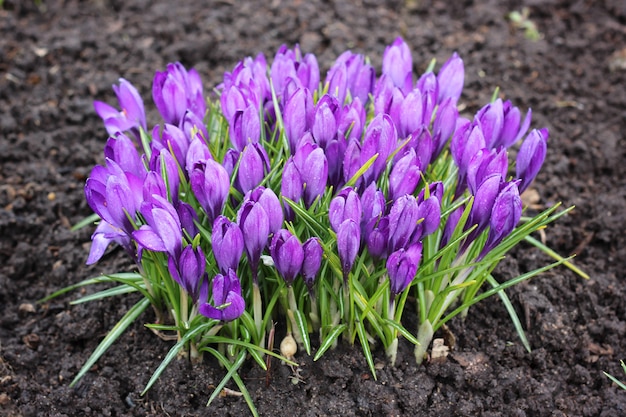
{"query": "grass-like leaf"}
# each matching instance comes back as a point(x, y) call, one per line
point(112, 336)
point(512, 313)
point(329, 340)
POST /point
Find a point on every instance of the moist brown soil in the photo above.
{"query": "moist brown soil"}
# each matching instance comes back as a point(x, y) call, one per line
point(57, 56)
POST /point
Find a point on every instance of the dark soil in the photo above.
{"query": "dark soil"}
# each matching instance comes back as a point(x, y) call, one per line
point(57, 56)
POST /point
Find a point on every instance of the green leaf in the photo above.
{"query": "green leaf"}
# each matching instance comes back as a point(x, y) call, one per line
point(173, 352)
point(404, 332)
point(112, 336)
point(232, 374)
point(87, 221)
point(93, 280)
point(556, 256)
point(512, 313)
point(330, 340)
point(360, 329)
point(109, 292)
point(303, 328)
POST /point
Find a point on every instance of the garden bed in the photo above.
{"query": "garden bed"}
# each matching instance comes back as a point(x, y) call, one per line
point(58, 56)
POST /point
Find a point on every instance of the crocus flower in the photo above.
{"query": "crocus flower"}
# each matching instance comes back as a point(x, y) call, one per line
point(288, 255)
point(122, 150)
point(114, 195)
point(312, 261)
point(245, 127)
point(198, 152)
point(512, 131)
point(380, 138)
point(255, 226)
point(163, 231)
point(378, 238)
point(410, 114)
point(348, 243)
point(398, 64)
point(227, 243)
point(373, 203)
point(253, 166)
point(530, 157)
point(189, 270)
point(131, 117)
point(506, 213)
point(210, 184)
point(104, 234)
point(450, 79)
point(312, 166)
point(429, 215)
point(485, 163)
point(466, 142)
point(402, 267)
point(443, 126)
point(177, 90)
point(164, 163)
point(491, 119)
point(270, 203)
point(403, 218)
point(192, 122)
point(290, 186)
point(324, 127)
point(297, 115)
point(359, 76)
point(229, 304)
point(172, 139)
point(404, 176)
point(428, 86)
point(346, 205)
point(482, 207)
point(451, 223)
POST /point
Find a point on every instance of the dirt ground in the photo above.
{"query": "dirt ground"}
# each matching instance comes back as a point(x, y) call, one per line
point(57, 56)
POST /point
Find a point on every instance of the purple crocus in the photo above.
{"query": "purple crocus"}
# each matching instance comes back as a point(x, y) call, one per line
point(312, 165)
point(229, 304)
point(291, 186)
point(485, 163)
point(324, 126)
point(288, 255)
point(348, 243)
point(506, 213)
point(403, 218)
point(312, 261)
point(131, 117)
point(255, 226)
point(443, 126)
point(297, 116)
point(227, 243)
point(450, 79)
point(163, 231)
point(270, 203)
point(404, 176)
point(177, 90)
point(345, 206)
point(402, 267)
point(398, 64)
point(104, 234)
point(253, 166)
point(380, 138)
point(173, 139)
point(530, 157)
point(245, 127)
point(122, 150)
point(210, 184)
point(189, 270)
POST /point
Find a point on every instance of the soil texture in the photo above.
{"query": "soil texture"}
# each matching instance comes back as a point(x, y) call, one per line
point(57, 56)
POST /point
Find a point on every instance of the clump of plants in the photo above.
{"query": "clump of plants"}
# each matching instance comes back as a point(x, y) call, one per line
point(332, 206)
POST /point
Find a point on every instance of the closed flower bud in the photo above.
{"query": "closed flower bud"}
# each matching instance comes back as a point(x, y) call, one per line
point(188, 270)
point(288, 255)
point(398, 64)
point(175, 91)
point(506, 213)
point(403, 218)
point(227, 243)
point(402, 267)
point(253, 165)
point(348, 243)
point(450, 79)
point(270, 203)
point(530, 157)
point(312, 260)
point(404, 176)
point(346, 205)
point(210, 184)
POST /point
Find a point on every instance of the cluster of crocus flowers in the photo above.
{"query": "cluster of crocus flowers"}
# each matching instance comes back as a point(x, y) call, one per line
point(349, 181)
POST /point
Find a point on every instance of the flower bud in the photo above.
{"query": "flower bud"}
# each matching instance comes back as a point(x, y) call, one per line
point(402, 267)
point(530, 157)
point(288, 255)
point(227, 243)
